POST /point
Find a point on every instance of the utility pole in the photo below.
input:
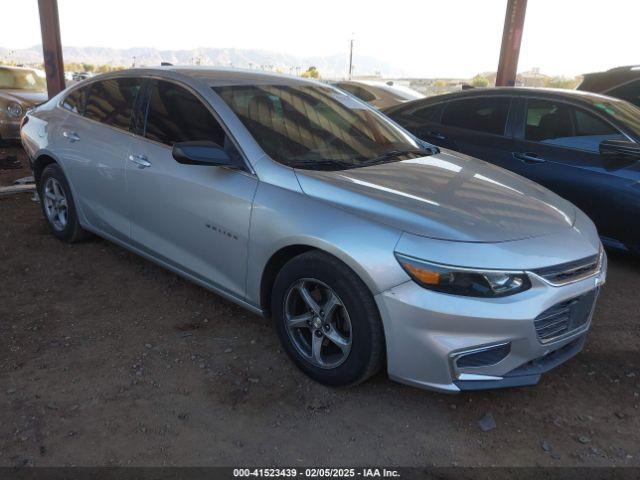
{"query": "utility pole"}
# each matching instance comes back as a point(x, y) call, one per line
point(351, 58)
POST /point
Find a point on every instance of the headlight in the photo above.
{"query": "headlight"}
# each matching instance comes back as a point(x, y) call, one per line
point(464, 281)
point(14, 109)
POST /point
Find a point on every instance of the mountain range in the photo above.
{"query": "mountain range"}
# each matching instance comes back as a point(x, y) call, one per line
point(331, 66)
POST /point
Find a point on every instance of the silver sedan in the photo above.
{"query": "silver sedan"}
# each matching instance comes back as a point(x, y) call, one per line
point(369, 248)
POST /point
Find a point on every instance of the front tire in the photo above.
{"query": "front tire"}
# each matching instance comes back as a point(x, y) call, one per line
point(327, 320)
point(58, 206)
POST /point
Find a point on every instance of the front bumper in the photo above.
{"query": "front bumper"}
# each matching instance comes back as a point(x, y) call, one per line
point(426, 331)
point(10, 128)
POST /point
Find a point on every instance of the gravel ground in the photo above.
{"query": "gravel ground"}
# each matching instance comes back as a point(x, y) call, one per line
point(107, 359)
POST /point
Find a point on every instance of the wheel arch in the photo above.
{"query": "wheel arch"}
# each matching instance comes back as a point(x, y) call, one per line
point(40, 161)
point(281, 256)
point(275, 263)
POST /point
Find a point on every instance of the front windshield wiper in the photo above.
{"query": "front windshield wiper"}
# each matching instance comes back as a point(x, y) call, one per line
point(320, 163)
point(391, 154)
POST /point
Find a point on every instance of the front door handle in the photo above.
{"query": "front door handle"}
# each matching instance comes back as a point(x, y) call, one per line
point(140, 160)
point(71, 136)
point(529, 158)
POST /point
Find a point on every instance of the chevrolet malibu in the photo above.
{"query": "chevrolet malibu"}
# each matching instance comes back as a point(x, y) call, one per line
point(369, 248)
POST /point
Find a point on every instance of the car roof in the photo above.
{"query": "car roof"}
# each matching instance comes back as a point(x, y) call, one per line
point(558, 93)
point(221, 76)
point(389, 87)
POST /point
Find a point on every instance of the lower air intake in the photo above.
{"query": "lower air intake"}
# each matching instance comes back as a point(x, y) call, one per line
point(565, 317)
point(485, 357)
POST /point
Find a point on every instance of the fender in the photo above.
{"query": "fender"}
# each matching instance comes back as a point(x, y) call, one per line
point(40, 160)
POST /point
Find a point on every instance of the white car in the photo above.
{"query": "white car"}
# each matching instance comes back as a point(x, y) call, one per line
point(379, 94)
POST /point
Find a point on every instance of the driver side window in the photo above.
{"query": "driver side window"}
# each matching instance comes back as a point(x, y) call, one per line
point(176, 115)
point(557, 123)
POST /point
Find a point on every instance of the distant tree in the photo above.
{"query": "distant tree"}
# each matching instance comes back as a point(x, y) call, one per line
point(88, 67)
point(561, 82)
point(72, 67)
point(312, 72)
point(105, 68)
point(479, 81)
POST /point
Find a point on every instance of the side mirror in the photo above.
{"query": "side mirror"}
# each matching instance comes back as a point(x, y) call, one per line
point(620, 149)
point(202, 153)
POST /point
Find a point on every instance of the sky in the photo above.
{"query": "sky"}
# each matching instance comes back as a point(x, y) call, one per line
point(424, 38)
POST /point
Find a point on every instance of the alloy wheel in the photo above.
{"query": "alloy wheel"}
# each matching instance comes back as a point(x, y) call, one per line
point(55, 204)
point(318, 323)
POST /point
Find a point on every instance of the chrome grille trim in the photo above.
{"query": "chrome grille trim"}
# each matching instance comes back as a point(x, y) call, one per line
point(570, 272)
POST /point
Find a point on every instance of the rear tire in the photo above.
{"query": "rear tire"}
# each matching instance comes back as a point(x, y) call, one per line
point(327, 320)
point(58, 206)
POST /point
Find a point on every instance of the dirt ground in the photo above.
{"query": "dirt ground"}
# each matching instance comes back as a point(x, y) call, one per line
point(7, 177)
point(107, 359)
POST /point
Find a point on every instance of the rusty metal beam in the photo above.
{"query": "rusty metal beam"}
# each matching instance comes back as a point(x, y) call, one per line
point(51, 46)
point(511, 39)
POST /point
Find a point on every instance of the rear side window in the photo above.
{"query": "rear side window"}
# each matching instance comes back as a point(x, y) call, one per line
point(558, 123)
point(75, 101)
point(487, 115)
point(111, 101)
point(629, 92)
point(176, 115)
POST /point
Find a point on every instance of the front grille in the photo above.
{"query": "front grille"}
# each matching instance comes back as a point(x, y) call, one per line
point(565, 317)
point(485, 357)
point(567, 272)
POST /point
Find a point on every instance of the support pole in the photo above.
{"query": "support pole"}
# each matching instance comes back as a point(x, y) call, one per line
point(51, 46)
point(511, 40)
point(350, 58)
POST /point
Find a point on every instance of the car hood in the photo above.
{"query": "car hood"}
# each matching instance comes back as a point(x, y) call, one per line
point(24, 97)
point(446, 196)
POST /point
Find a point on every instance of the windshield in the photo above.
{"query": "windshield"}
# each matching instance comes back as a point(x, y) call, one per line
point(316, 127)
point(14, 79)
point(624, 112)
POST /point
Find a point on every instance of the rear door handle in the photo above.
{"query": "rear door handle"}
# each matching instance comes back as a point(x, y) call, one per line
point(71, 136)
point(528, 157)
point(140, 160)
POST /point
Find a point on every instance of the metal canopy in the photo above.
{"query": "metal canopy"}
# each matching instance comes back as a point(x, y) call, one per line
point(54, 65)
